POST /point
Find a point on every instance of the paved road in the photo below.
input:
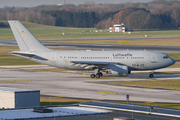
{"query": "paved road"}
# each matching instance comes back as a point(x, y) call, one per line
point(174, 49)
point(79, 85)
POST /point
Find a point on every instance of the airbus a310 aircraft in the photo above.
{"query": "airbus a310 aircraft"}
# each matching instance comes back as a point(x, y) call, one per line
point(120, 63)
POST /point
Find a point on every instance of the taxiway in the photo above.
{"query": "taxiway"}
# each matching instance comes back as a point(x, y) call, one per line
point(171, 49)
point(78, 85)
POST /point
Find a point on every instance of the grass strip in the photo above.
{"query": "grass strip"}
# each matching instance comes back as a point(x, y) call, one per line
point(48, 101)
point(169, 84)
point(47, 32)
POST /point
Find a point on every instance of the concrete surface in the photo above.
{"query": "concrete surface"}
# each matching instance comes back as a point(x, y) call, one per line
point(78, 84)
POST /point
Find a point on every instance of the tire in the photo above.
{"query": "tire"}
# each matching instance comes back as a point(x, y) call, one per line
point(151, 75)
point(92, 75)
point(98, 76)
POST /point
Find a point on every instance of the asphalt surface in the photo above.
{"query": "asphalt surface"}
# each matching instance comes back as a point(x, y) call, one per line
point(120, 38)
point(77, 84)
point(134, 108)
point(174, 49)
point(117, 38)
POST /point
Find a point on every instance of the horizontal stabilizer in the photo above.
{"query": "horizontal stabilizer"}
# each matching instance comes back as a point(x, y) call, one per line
point(28, 54)
point(25, 54)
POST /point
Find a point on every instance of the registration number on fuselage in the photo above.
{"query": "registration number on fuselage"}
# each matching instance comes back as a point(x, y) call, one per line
point(138, 65)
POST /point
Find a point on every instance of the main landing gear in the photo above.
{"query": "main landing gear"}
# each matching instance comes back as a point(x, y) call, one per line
point(97, 74)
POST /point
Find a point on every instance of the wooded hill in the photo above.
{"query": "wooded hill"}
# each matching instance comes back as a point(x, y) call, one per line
point(158, 14)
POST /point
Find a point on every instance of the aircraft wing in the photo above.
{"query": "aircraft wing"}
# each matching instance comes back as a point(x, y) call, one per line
point(91, 64)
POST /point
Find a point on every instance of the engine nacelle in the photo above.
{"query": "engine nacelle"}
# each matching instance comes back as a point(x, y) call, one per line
point(119, 70)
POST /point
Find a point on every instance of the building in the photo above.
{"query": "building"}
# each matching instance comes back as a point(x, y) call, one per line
point(117, 28)
point(17, 98)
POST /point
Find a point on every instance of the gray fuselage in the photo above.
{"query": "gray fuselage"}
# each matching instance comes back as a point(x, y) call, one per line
point(135, 60)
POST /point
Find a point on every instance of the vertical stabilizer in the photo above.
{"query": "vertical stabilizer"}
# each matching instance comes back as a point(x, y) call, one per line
point(26, 41)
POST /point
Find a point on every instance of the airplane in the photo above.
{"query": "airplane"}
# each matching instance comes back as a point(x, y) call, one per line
point(120, 63)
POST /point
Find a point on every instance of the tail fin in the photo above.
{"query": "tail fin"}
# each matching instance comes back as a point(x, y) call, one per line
point(26, 41)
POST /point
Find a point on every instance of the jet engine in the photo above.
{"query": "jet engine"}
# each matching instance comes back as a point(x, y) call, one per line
point(119, 70)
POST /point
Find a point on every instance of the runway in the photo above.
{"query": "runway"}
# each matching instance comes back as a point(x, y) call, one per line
point(171, 49)
point(77, 84)
point(119, 38)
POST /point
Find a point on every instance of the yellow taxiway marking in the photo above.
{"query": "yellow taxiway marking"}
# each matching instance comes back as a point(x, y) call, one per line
point(124, 42)
point(10, 81)
point(4, 82)
point(110, 93)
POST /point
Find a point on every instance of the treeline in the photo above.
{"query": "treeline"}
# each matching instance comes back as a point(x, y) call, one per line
point(4, 24)
point(26, 14)
point(78, 19)
point(158, 14)
point(140, 18)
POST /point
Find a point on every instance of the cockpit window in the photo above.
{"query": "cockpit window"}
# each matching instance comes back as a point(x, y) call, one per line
point(166, 57)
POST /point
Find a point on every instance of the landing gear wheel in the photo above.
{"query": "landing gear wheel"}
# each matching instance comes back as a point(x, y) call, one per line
point(151, 75)
point(92, 75)
point(98, 76)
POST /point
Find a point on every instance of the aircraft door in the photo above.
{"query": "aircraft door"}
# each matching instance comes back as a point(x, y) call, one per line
point(53, 57)
point(153, 58)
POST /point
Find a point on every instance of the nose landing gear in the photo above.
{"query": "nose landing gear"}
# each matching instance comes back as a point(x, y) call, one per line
point(151, 75)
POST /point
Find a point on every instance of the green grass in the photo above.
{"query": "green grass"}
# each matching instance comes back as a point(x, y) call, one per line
point(48, 32)
point(174, 55)
point(13, 60)
point(169, 84)
point(47, 101)
point(8, 59)
point(176, 65)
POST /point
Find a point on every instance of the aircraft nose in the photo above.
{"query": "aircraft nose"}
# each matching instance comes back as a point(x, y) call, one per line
point(172, 61)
